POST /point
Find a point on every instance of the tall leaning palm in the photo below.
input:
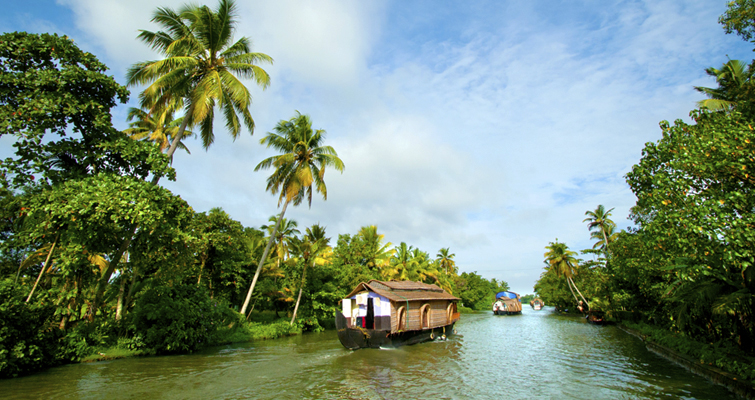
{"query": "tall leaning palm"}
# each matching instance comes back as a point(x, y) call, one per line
point(202, 67)
point(562, 262)
point(300, 166)
point(600, 219)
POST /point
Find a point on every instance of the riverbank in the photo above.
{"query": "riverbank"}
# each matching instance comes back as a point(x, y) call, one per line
point(263, 326)
point(733, 371)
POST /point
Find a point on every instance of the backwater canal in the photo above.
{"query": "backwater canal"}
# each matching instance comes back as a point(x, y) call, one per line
point(534, 355)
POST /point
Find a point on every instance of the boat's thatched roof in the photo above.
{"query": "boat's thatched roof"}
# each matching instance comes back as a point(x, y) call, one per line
point(404, 290)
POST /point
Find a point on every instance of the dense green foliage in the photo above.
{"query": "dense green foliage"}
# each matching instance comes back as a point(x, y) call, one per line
point(476, 292)
point(685, 271)
point(179, 318)
point(26, 343)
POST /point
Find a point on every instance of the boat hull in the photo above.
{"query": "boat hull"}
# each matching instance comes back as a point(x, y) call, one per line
point(502, 312)
point(360, 338)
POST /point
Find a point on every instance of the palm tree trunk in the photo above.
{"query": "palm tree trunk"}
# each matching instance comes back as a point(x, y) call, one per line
point(568, 283)
point(201, 268)
point(301, 289)
point(134, 276)
point(605, 239)
point(580, 293)
point(119, 306)
point(249, 314)
point(176, 140)
point(44, 267)
point(105, 278)
point(264, 257)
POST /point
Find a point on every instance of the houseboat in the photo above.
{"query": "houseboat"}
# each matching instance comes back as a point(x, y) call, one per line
point(390, 314)
point(507, 303)
point(537, 304)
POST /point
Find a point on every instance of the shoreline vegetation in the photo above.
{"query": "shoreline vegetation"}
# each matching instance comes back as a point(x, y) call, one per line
point(683, 272)
point(261, 326)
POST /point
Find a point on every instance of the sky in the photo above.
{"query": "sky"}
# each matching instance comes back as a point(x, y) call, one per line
point(487, 127)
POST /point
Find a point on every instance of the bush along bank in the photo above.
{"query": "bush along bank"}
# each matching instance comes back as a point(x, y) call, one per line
point(167, 320)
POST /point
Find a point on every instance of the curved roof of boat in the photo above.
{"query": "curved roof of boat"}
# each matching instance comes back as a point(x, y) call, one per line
point(404, 290)
point(507, 294)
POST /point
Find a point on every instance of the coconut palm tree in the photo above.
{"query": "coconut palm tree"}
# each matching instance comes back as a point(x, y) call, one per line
point(399, 263)
point(562, 262)
point(159, 127)
point(202, 67)
point(310, 248)
point(733, 80)
point(445, 260)
point(300, 166)
point(286, 232)
point(377, 253)
point(610, 234)
point(600, 220)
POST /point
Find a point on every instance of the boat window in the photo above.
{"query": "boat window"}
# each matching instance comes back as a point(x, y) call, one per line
point(450, 312)
point(401, 318)
point(424, 313)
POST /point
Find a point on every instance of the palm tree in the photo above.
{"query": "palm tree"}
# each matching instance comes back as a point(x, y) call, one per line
point(445, 260)
point(600, 219)
point(310, 248)
point(398, 265)
point(287, 230)
point(733, 79)
point(158, 127)
point(377, 253)
point(610, 236)
point(301, 165)
point(562, 262)
point(202, 66)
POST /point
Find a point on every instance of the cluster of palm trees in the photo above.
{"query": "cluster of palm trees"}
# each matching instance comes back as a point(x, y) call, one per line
point(201, 73)
point(413, 264)
point(563, 262)
point(292, 255)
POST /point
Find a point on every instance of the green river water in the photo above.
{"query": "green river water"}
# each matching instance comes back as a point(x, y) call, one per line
point(536, 355)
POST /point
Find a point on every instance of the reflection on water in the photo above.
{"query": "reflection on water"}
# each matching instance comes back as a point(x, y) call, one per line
point(533, 355)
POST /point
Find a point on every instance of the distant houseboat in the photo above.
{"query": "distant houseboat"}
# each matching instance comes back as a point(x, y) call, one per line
point(389, 314)
point(537, 304)
point(507, 303)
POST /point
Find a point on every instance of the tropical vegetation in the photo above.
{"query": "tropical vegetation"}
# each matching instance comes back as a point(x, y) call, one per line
point(683, 274)
point(98, 260)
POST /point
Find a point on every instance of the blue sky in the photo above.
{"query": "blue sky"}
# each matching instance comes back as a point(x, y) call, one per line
point(489, 127)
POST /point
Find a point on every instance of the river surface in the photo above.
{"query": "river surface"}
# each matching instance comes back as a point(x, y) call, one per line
point(534, 355)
